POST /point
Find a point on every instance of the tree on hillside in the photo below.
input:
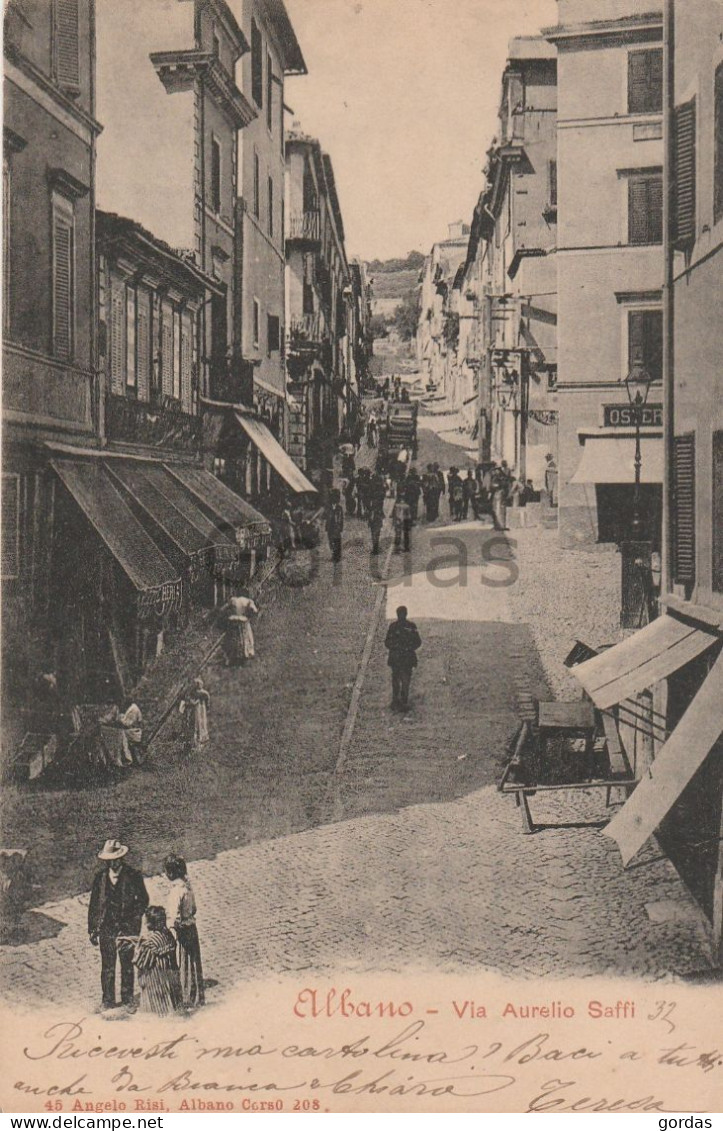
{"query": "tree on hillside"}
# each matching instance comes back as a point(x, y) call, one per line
point(378, 326)
point(406, 317)
point(413, 262)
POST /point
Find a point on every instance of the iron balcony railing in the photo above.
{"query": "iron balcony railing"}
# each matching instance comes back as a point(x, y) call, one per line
point(305, 226)
point(157, 425)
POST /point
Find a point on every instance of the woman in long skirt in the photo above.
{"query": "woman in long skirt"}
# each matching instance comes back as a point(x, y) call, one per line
point(154, 957)
point(194, 708)
point(181, 913)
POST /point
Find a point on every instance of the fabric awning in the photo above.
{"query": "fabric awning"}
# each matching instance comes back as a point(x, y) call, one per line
point(172, 509)
point(151, 574)
point(251, 529)
point(270, 447)
point(611, 459)
point(684, 753)
point(651, 654)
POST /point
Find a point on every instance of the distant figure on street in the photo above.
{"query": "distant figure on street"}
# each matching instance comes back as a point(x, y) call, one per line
point(456, 494)
point(412, 492)
point(335, 524)
point(363, 482)
point(432, 492)
point(349, 495)
point(402, 642)
point(376, 522)
point(288, 530)
point(551, 479)
point(470, 491)
point(372, 430)
point(153, 954)
point(181, 918)
point(194, 709)
point(118, 899)
point(402, 520)
point(238, 642)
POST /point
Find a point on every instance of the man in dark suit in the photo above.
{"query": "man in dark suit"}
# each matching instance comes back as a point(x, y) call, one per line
point(402, 642)
point(118, 899)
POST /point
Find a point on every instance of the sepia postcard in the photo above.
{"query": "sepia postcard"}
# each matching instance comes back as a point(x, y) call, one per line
point(362, 557)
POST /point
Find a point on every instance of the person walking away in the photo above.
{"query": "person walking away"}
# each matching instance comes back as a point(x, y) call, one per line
point(362, 493)
point(402, 520)
point(376, 522)
point(402, 643)
point(194, 709)
point(239, 642)
point(153, 954)
point(372, 430)
point(377, 491)
point(470, 490)
point(499, 500)
point(288, 531)
point(335, 525)
point(349, 496)
point(456, 494)
point(118, 899)
point(440, 479)
point(412, 492)
point(181, 919)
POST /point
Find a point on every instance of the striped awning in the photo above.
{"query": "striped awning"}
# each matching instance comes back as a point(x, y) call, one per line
point(156, 581)
point(221, 505)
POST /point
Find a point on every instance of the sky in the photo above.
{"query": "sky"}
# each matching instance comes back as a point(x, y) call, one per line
point(403, 95)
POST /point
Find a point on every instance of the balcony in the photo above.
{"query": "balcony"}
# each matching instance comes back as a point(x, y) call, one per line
point(305, 228)
point(307, 331)
point(163, 425)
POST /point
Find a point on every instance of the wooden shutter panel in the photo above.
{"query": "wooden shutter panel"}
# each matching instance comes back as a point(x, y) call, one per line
point(655, 80)
point(637, 211)
point(167, 350)
point(143, 345)
point(636, 340)
point(553, 183)
point(717, 515)
point(185, 364)
point(685, 188)
point(718, 146)
point(655, 210)
point(117, 351)
point(684, 509)
point(10, 527)
point(62, 287)
point(637, 81)
point(66, 43)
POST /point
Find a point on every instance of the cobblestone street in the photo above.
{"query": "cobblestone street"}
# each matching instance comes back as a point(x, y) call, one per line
point(324, 832)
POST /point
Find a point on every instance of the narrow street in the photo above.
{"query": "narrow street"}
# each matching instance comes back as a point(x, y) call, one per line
point(325, 832)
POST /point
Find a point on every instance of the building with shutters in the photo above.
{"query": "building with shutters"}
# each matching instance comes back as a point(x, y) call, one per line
point(168, 153)
point(50, 387)
point(318, 294)
point(609, 264)
point(508, 283)
point(664, 684)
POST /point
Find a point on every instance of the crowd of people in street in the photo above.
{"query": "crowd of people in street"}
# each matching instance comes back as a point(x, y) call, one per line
point(156, 947)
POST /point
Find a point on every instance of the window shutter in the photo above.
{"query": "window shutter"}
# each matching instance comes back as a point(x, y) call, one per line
point(637, 211)
point(144, 348)
point(62, 287)
point(186, 365)
point(684, 141)
point(117, 368)
point(718, 147)
point(655, 210)
point(653, 343)
point(10, 527)
point(257, 65)
point(636, 340)
point(553, 184)
point(684, 509)
point(167, 348)
point(66, 43)
point(717, 512)
point(645, 81)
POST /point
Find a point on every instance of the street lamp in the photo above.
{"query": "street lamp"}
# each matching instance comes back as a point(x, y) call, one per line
point(637, 385)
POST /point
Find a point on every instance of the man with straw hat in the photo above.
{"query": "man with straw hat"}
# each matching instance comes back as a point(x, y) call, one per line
point(118, 899)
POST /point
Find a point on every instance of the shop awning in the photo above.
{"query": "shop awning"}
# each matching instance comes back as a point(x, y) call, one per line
point(172, 509)
point(638, 662)
point(611, 459)
point(271, 449)
point(157, 582)
point(684, 753)
point(251, 529)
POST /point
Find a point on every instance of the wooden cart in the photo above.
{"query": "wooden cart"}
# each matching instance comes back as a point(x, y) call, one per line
point(569, 746)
